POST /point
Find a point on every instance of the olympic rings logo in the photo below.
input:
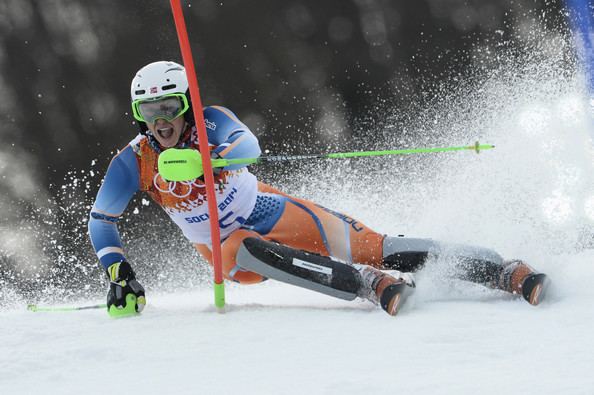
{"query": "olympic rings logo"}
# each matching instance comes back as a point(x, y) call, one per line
point(180, 190)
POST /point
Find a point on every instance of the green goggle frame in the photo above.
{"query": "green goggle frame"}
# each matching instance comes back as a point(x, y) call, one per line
point(166, 116)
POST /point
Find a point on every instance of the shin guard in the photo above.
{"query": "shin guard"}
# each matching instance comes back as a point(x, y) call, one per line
point(288, 265)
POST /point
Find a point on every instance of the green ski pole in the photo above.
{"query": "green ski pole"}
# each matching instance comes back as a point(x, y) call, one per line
point(34, 308)
point(186, 164)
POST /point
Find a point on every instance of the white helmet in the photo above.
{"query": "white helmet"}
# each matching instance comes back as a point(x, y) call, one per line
point(158, 79)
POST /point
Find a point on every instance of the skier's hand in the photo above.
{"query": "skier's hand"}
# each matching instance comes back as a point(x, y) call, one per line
point(215, 170)
point(126, 295)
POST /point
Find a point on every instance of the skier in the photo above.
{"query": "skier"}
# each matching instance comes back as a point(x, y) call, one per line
point(264, 233)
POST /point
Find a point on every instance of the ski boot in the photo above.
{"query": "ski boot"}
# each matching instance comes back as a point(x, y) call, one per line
point(519, 278)
point(381, 288)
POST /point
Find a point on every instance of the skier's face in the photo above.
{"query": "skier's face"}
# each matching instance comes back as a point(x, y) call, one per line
point(167, 133)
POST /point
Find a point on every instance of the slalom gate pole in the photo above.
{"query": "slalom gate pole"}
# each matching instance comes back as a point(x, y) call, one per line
point(34, 308)
point(186, 164)
point(184, 43)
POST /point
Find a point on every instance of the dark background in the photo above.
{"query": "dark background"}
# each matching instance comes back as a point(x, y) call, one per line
point(305, 75)
point(288, 68)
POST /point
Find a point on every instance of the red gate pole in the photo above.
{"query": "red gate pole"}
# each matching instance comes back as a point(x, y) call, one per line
point(184, 43)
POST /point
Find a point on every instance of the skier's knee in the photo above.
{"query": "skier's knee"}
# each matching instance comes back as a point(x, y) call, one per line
point(407, 254)
point(239, 275)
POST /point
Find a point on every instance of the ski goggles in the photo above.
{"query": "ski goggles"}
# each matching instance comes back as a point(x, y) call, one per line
point(167, 107)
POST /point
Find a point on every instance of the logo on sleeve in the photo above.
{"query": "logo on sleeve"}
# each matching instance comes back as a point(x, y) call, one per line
point(210, 125)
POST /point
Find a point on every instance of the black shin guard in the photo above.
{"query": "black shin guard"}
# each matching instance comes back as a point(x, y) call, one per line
point(406, 254)
point(475, 264)
point(317, 273)
point(405, 261)
point(479, 271)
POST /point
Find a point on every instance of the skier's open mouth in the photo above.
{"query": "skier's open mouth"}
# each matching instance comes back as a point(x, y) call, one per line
point(165, 132)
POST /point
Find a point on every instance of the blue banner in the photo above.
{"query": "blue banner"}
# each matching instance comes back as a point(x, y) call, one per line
point(581, 19)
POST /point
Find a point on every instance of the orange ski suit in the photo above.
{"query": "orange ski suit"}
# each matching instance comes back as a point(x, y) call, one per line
point(306, 226)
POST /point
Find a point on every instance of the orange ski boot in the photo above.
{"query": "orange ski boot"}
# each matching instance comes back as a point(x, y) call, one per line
point(519, 278)
point(384, 289)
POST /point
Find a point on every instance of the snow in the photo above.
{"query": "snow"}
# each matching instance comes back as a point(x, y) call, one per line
point(279, 339)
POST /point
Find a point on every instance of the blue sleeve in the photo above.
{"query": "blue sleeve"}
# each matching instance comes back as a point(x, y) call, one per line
point(121, 182)
point(232, 138)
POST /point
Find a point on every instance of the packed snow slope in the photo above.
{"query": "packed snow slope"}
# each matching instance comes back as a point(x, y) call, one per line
point(532, 197)
point(276, 339)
